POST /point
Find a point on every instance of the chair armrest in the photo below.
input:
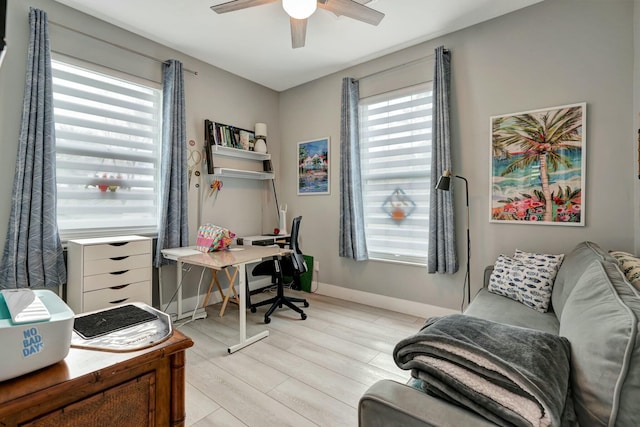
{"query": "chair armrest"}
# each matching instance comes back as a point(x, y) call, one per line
point(388, 403)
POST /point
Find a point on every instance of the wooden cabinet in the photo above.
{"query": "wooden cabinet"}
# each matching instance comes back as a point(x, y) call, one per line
point(97, 388)
point(108, 271)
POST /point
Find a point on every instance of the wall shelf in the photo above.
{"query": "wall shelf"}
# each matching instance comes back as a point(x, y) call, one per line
point(219, 150)
point(240, 173)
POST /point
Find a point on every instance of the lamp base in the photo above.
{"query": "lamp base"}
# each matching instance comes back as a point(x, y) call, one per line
point(260, 146)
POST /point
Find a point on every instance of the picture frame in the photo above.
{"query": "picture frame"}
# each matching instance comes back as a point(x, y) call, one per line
point(538, 161)
point(314, 167)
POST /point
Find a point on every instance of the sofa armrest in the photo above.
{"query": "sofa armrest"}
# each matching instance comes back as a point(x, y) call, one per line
point(388, 403)
point(487, 275)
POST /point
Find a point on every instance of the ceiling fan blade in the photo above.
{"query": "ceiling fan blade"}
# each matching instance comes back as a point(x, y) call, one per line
point(234, 5)
point(298, 32)
point(352, 9)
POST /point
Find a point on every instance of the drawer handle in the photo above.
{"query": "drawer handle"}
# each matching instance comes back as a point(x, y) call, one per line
point(118, 258)
point(118, 301)
point(119, 287)
point(115, 273)
point(118, 243)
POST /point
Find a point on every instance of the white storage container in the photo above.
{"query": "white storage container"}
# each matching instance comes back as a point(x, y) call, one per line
point(27, 347)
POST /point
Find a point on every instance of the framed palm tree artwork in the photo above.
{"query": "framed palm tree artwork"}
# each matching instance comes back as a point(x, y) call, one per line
point(538, 166)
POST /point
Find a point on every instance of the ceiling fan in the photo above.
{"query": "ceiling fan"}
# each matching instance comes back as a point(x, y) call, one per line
point(300, 10)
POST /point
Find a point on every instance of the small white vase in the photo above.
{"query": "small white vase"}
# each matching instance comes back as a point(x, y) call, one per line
point(260, 146)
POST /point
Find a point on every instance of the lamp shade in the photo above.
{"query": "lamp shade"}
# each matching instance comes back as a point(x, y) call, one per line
point(260, 130)
point(299, 9)
point(444, 183)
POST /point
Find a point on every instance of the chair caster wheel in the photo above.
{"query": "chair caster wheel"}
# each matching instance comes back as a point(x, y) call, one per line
point(267, 320)
point(253, 309)
point(303, 316)
point(306, 304)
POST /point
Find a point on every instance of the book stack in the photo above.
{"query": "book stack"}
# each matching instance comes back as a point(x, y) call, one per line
point(225, 136)
point(228, 136)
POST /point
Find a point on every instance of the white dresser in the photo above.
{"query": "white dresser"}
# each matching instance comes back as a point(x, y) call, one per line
point(108, 271)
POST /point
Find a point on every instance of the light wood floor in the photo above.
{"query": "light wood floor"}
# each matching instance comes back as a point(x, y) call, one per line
point(305, 373)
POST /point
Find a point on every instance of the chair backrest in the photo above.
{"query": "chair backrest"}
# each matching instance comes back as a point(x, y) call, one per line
point(297, 259)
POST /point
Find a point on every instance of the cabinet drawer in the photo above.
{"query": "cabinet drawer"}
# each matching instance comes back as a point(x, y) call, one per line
point(105, 298)
point(117, 249)
point(116, 278)
point(109, 265)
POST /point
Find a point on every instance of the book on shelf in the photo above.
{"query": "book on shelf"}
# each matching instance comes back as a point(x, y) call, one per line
point(231, 136)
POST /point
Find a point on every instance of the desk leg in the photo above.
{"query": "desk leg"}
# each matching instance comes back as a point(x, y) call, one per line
point(242, 307)
point(200, 312)
point(179, 284)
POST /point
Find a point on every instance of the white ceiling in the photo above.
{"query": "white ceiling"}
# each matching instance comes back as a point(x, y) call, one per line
point(255, 43)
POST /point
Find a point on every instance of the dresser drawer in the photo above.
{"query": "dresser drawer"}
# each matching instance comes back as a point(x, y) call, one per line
point(117, 278)
point(104, 298)
point(117, 249)
point(109, 265)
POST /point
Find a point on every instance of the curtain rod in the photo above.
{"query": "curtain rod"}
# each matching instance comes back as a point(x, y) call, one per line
point(398, 67)
point(195, 73)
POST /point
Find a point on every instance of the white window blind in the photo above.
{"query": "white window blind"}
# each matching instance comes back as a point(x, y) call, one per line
point(107, 153)
point(395, 143)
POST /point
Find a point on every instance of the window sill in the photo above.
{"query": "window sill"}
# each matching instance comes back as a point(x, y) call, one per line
point(398, 261)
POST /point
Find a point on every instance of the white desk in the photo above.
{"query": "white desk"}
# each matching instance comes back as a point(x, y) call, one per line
point(239, 257)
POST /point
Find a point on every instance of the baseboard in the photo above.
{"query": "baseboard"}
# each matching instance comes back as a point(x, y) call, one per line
point(375, 300)
point(381, 301)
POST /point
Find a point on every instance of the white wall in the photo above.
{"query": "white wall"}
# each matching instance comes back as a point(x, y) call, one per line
point(549, 54)
point(213, 94)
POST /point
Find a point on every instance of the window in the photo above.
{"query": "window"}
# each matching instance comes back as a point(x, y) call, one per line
point(107, 153)
point(395, 144)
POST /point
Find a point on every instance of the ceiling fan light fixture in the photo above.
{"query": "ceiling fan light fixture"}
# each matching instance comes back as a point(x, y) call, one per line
point(299, 9)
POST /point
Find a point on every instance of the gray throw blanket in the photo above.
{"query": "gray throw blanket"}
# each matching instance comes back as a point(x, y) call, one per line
point(509, 375)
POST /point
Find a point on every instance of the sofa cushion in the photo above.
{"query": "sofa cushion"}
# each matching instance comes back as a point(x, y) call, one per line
point(630, 266)
point(528, 281)
point(571, 269)
point(500, 309)
point(600, 319)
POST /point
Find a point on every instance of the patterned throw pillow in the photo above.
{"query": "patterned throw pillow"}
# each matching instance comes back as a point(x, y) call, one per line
point(528, 281)
point(630, 266)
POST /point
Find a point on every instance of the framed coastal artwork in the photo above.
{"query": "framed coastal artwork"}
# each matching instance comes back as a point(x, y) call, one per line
point(538, 166)
point(313, 167)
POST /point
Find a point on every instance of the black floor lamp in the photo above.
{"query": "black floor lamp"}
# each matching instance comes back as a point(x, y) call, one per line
point(444, 183)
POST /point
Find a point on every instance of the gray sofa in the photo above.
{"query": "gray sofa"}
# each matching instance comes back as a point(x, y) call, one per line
point(593, 306)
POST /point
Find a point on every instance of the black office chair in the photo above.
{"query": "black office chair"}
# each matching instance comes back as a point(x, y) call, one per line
point(291, 266)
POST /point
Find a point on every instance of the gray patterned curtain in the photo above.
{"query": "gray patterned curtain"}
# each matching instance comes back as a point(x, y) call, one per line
point(352, 239)
point(173, 230)
point(32, 254)
point(442, 232)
